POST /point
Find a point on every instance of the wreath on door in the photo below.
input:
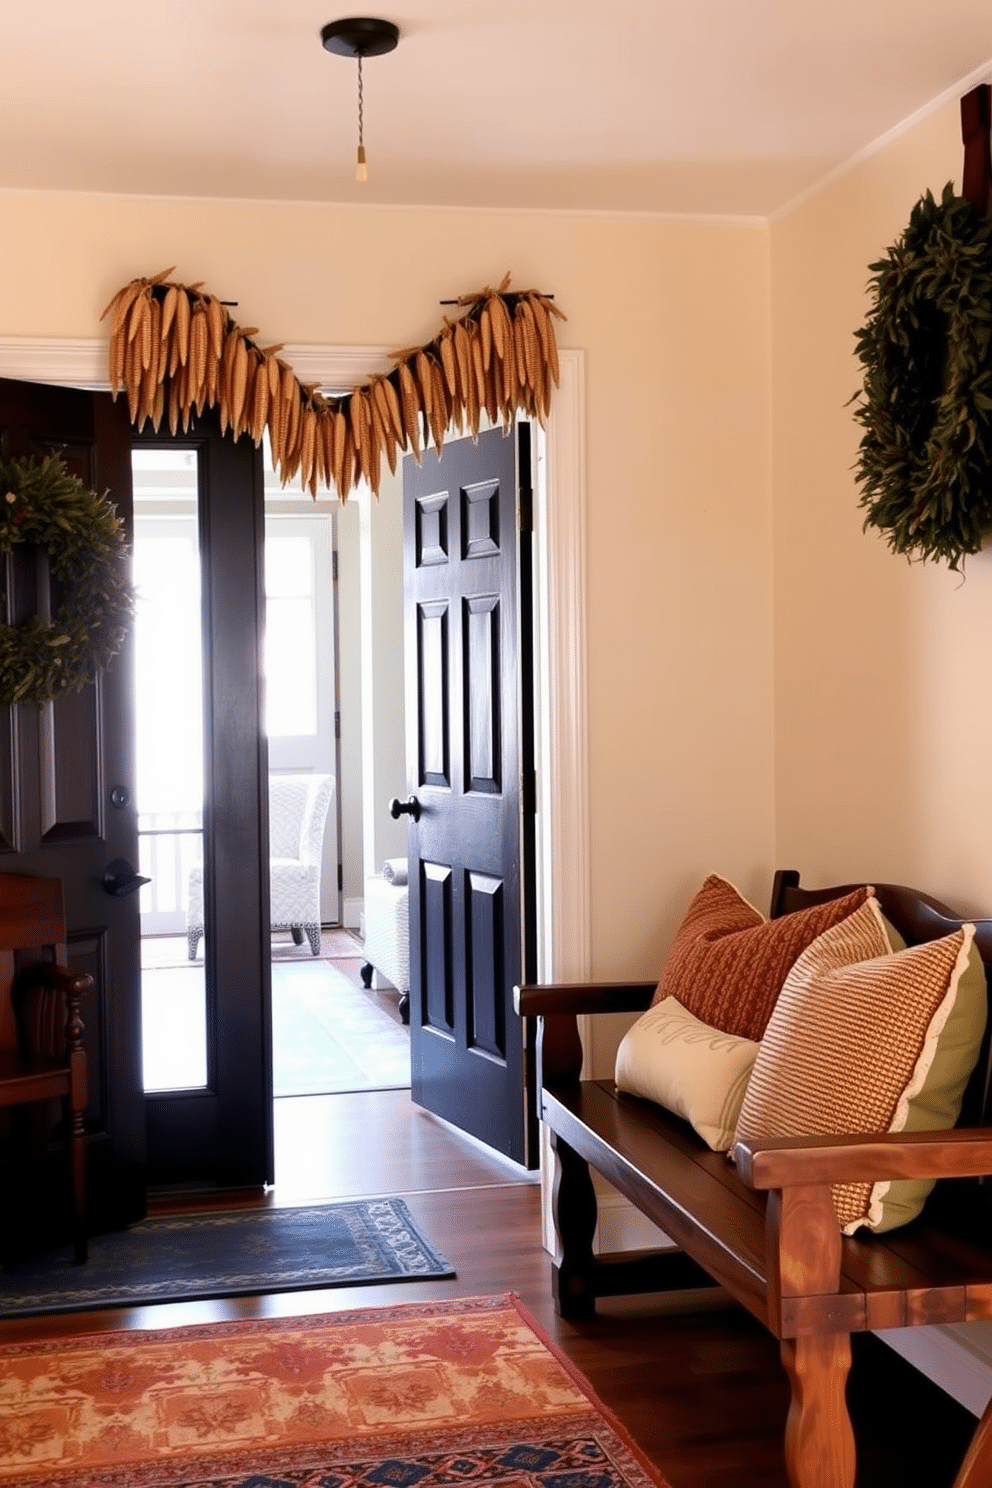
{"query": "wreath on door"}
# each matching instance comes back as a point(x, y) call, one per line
point(43, 504)
point(925, 464)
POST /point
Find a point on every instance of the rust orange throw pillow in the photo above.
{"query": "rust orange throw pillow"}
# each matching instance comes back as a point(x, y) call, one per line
point(728, 963)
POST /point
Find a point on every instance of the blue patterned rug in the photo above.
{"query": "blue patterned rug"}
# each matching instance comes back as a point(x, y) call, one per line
point(544, 1458)
point(183, 1258)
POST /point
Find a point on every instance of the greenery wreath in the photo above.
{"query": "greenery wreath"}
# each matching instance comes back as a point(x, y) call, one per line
point(925, 462)
point(42, 503)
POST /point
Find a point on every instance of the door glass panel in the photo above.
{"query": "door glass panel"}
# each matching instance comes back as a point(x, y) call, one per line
point(169, 774)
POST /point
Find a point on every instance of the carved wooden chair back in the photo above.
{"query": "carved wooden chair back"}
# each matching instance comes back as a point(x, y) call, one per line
point(42, 1057)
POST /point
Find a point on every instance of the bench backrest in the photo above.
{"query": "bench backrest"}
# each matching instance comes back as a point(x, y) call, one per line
point(917, 917)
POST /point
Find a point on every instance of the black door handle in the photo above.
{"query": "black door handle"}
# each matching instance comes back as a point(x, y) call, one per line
point(409, 807)
point(119, 879)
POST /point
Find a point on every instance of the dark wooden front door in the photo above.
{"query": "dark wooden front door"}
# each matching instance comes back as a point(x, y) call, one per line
point(221, 1134)
point(469, 748)
point(67, 797)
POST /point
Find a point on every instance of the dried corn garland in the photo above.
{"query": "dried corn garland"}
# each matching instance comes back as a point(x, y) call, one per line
point(175, 351)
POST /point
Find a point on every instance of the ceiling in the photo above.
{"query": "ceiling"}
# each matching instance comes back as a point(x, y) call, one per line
point(726, 107)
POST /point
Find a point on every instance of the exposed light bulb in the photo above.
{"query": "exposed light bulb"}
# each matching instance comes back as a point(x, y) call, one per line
point(360, 37)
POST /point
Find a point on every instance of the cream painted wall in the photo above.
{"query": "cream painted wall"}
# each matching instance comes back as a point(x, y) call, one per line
point(674, 322)
point(350, 700)
point(882, 668)
point(882, 745)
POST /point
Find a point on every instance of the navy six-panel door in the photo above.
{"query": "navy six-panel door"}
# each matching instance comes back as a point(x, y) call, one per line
point(464, 708)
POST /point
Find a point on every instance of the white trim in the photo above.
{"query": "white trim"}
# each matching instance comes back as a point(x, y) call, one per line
point(83, 362)
point(561, 533)
point(478, 209)
point(942, 1354)
point(338, 367)
point(66, 363)
point(621, 1226)
point(956, 90)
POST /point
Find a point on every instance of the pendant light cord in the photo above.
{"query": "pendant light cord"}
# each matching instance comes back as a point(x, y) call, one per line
point(361, 104)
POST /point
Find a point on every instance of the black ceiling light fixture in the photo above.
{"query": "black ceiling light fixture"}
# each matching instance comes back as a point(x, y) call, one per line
point(361, 37)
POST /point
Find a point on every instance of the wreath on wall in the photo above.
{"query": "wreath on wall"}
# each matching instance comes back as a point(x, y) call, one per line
point(925, 464)
point(42, 503)
point(175, 350)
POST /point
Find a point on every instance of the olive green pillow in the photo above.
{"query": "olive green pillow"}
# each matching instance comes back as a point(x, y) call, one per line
point(937, 1104)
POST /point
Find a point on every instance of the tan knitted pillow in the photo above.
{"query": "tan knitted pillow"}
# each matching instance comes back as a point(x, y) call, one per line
point(728, 962)
point(851, 1040)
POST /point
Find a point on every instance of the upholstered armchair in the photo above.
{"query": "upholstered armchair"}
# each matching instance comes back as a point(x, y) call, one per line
point(298, 807)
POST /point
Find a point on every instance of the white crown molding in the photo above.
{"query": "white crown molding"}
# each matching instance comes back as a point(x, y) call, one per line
point(59, 360)
point(83, 362)
point(905, 126)
point(351, 364)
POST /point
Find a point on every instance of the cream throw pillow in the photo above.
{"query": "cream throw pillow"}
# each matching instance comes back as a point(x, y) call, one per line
point(853, 1040)
point(687, 1067)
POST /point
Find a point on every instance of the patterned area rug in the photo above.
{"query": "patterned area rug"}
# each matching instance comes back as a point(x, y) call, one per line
point(191, 1256)
point(455, 1393)
point(328, 1035)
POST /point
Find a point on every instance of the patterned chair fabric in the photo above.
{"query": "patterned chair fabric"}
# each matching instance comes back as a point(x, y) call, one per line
point(387, 930)
point(298, 807)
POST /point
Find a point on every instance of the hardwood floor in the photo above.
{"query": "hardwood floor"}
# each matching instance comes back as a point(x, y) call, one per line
point(703, 1393)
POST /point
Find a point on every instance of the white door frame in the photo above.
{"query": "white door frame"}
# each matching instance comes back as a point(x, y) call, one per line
point(563, 866)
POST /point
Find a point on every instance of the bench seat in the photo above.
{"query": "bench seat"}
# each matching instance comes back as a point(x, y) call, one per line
point(763, 1227)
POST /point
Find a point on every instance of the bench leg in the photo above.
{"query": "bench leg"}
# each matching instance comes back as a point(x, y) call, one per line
point(575, 1213)
point(819, 1442)
point(976, 1469)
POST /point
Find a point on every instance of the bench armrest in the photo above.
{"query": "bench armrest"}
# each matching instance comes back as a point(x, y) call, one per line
point(581, 998)
point(784, 1162)
point(558, 1008)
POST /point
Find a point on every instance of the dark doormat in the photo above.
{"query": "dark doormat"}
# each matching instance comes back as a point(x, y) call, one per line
point(182, 1258)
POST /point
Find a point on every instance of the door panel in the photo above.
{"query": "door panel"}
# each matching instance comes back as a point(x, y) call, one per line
point(464, 709)
point(59, 765)
point(222, 1134)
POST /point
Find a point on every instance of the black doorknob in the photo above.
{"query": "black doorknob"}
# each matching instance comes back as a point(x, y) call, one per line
point(409, 807)
point(119, 879)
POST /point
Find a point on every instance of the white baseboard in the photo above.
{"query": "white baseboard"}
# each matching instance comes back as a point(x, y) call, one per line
point(957, 1357)
point(622, 1227)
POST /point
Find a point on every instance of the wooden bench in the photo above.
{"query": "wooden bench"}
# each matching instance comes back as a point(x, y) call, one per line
point(765, 1229)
